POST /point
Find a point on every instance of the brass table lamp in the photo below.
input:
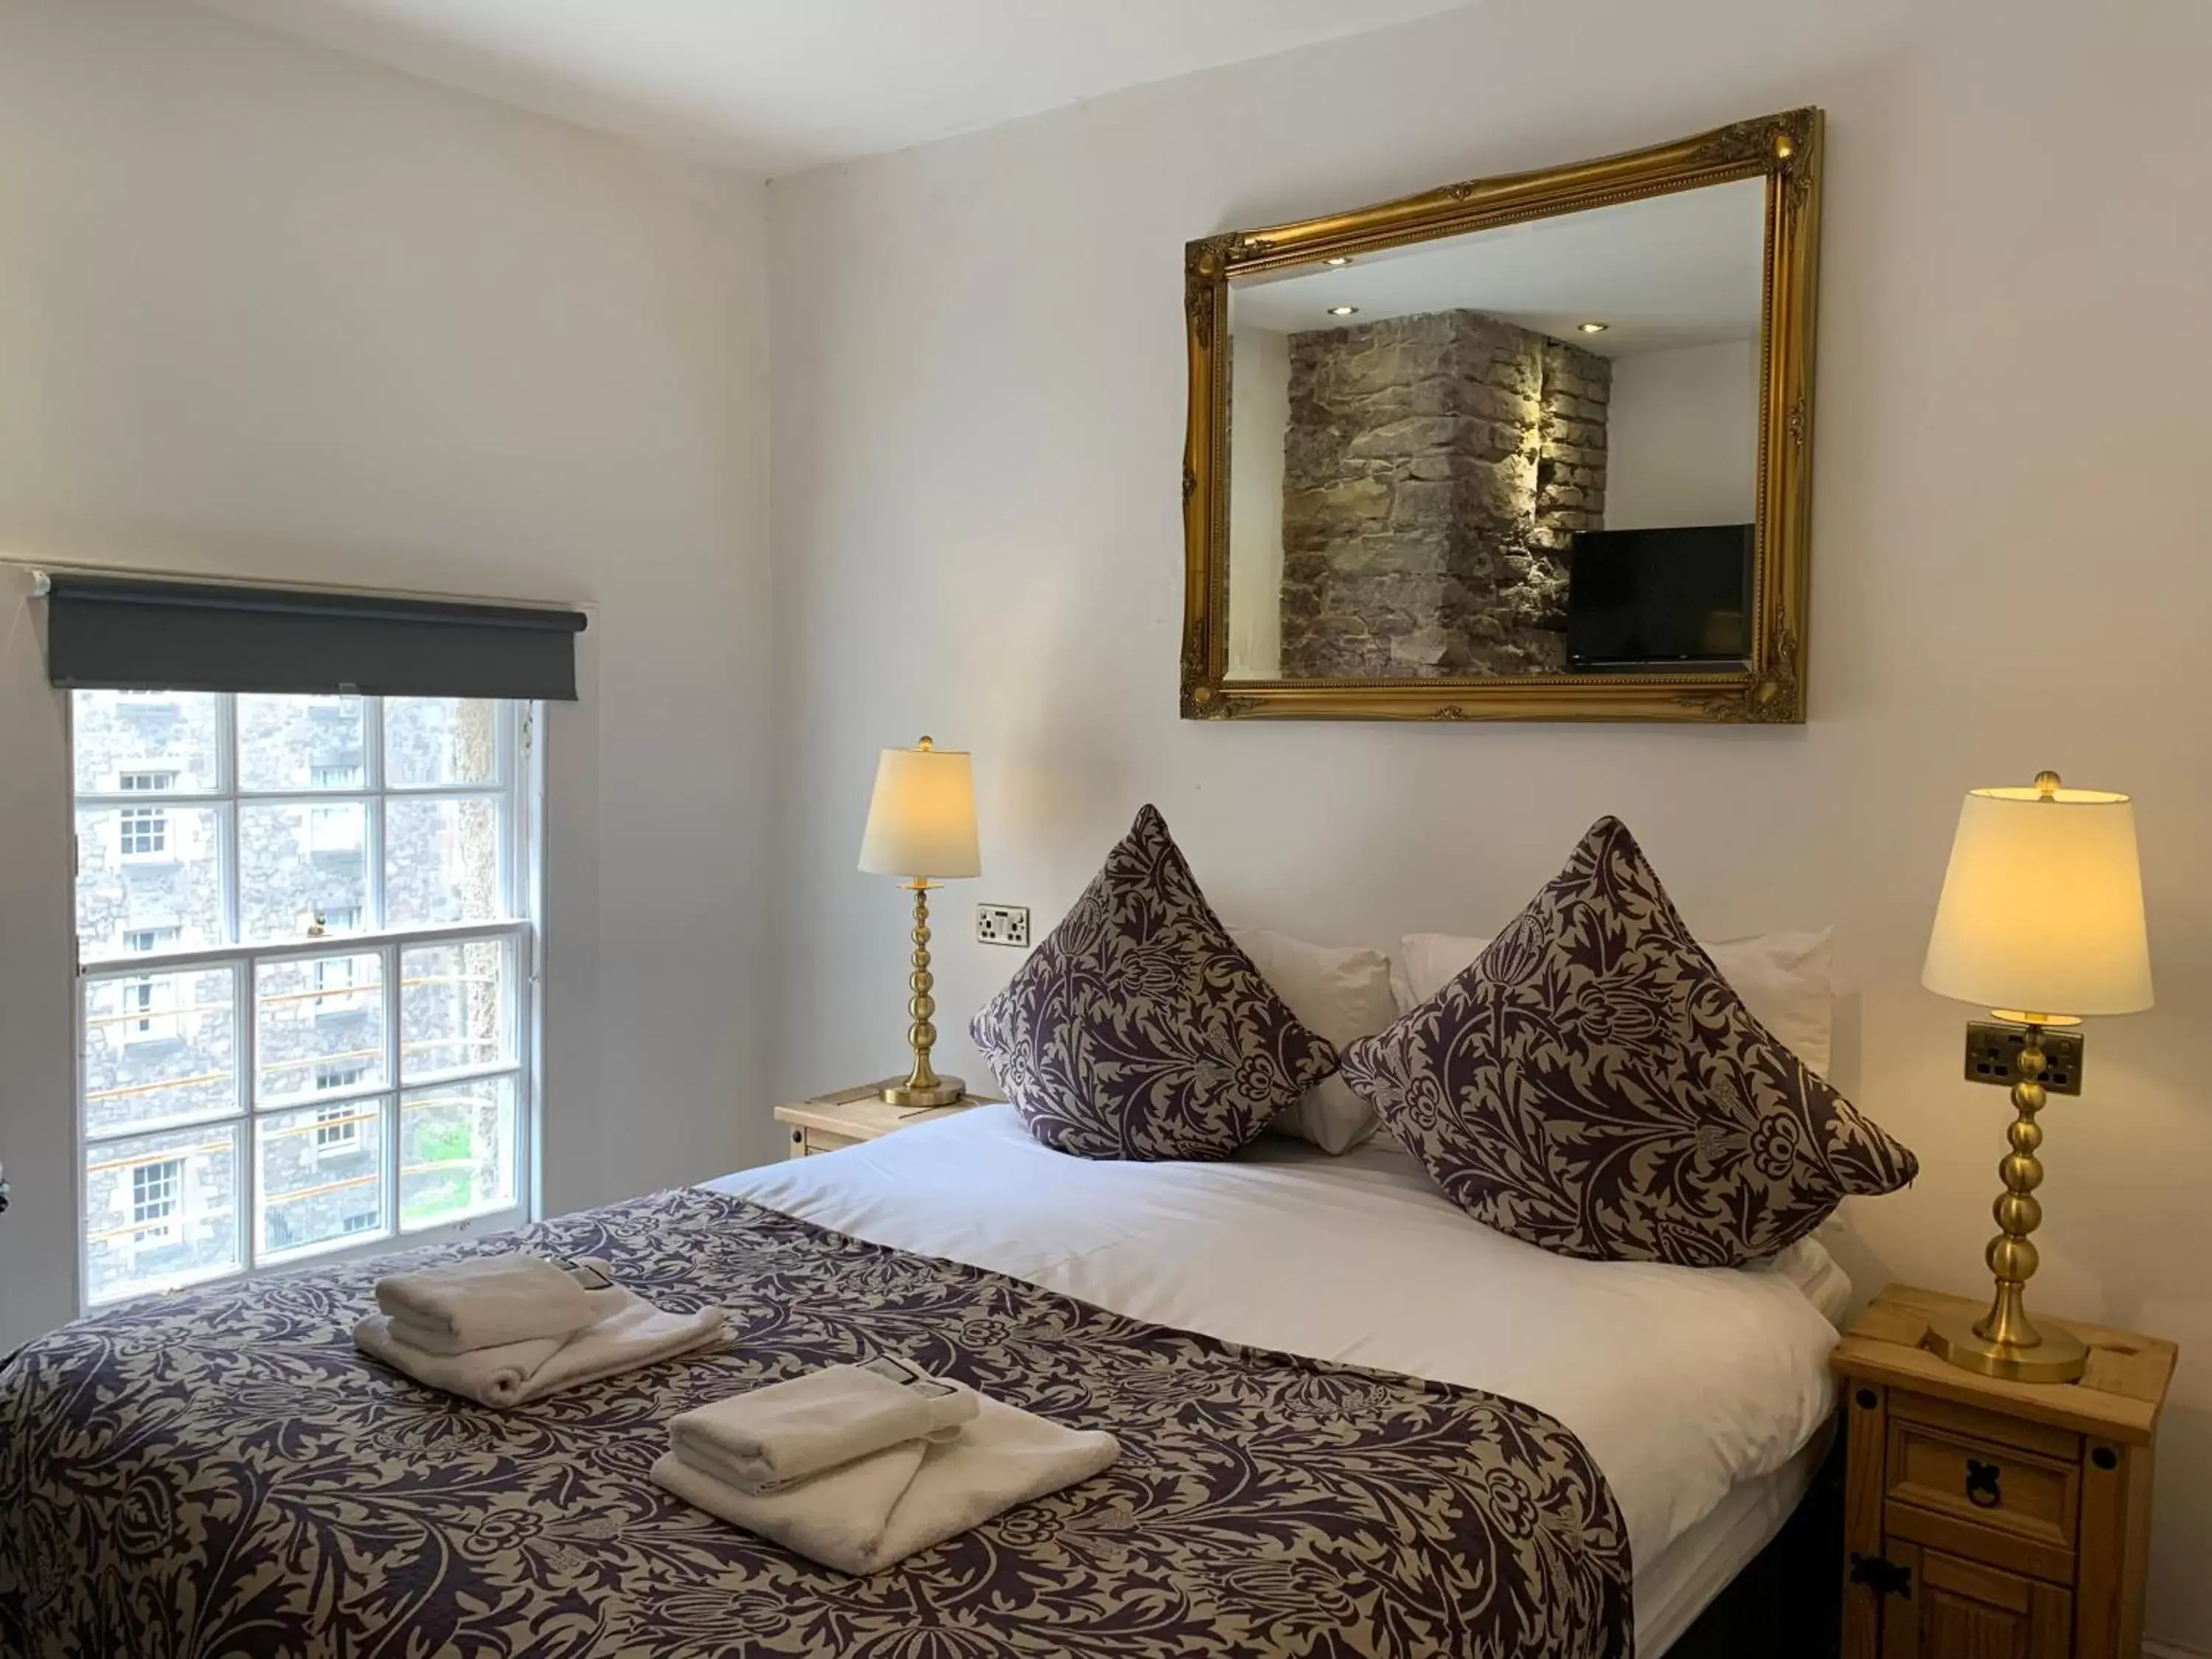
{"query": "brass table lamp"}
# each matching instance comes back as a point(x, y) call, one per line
point(921, 825)
point(2041, 921)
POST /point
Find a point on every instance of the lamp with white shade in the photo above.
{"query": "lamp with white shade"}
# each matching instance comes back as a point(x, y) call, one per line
point(921, 825)
point(2041, 922)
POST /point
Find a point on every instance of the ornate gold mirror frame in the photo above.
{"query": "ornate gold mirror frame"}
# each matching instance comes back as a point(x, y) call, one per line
point(1784, 150)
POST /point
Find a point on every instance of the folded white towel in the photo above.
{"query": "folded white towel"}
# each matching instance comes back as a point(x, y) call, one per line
point(633, 1332)
point(864, 1516)
point(487, 1301)
point(764, 1440)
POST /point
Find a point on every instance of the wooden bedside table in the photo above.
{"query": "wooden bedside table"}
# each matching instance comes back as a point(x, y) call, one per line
point(828, 1122)
point(1992, 1519)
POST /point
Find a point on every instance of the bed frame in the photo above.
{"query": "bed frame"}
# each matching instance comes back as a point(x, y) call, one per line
point(1790, 1598)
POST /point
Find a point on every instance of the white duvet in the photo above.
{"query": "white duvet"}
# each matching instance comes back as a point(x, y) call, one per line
point(1681, 1382)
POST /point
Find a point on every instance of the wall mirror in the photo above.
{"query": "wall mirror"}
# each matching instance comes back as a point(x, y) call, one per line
point(1536, 447)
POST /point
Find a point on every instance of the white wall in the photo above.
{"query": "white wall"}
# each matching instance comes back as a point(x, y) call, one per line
point(1259, 393)
point(1682, 437)
point(268, 312)
point(979, 390)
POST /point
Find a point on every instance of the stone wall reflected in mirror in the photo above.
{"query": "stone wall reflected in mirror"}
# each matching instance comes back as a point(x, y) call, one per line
point(1422, 441)
point(1416, 536)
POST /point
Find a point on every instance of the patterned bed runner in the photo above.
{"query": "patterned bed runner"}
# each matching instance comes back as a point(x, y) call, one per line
point(220, 1474)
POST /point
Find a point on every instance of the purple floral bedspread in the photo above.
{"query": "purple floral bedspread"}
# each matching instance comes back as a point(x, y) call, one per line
point(220, 1474)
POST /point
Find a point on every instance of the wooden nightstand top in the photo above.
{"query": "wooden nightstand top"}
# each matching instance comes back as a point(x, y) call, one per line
point(862, 1114)
point(2118, 1399)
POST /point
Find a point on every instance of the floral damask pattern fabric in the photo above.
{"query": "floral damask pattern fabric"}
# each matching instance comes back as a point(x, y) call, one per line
point(1591, 1084)
point(1140, 1028)
point(220, 1473)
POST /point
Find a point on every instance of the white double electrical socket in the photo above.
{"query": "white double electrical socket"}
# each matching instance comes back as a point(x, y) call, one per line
point(1003, 924)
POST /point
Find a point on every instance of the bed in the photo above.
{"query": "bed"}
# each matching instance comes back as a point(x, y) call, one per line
point(1705, 1397)
point(1353, 1419)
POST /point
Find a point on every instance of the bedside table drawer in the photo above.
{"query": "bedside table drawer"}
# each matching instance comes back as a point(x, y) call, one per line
point(1990, 1485)
point(1985, 1502)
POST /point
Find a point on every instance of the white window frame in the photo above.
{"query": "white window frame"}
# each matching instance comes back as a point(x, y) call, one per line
point(147, 1002)
point(148, 825)
point(338, 1136)
point(150, 1225)
point(520, 785)
point(140, 822)
point(341, 1133)
point(337, 976)
point(332, 827)
point(148, 1010)
point(331, 929)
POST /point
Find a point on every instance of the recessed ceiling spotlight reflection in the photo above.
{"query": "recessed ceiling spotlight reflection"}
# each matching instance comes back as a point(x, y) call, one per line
point(1593, 328)
point(1340, 260)
point(1344, 311)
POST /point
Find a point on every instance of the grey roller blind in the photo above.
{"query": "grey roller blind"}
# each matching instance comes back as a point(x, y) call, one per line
point(126, 634)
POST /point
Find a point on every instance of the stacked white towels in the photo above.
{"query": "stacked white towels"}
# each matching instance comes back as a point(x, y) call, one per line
point(859, 1467)
point(773, 1438)
point(488, 1302)
point(506, 1330)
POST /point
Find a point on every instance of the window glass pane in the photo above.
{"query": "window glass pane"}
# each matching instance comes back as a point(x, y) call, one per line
point(115, 733)
point(430, 742)
point(454, 1007)
point(296, 862)
point(154, 869)
point(441, 861)
point(160, 1211)
point(158, 1050)
point(456, 1151)
point(300, 743)
point(223, 826)
point(322, 1177)
point(319, 1026)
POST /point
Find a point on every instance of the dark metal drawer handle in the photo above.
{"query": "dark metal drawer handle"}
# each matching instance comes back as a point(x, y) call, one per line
point(1982, 1490)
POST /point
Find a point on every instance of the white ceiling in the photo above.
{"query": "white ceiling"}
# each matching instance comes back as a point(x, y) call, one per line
point(775, 86)
point(1671, 271)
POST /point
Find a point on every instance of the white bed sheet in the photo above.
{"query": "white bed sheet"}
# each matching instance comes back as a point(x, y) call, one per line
point(1705, 1561)
point(1684, 1384)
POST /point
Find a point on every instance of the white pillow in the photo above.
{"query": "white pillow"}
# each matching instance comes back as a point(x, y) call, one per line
point(1783, 978)
point(1817, 1275)
point(1341, 994)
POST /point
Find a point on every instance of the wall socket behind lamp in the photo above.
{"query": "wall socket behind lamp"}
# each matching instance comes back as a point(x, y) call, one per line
point(1003, 924)
point(1992, 1046)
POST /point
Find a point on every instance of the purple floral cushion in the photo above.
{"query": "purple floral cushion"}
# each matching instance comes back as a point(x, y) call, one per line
point(1138, 1029)
point(1591, 1084)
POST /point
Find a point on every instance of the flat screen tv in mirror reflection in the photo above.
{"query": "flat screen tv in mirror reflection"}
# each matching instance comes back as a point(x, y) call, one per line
point(1659, 598)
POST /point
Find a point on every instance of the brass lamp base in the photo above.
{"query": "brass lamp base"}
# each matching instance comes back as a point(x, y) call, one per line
point(921, 1088)
point(947, 1091)
point(2004, 1342)
point(2055, 1356)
